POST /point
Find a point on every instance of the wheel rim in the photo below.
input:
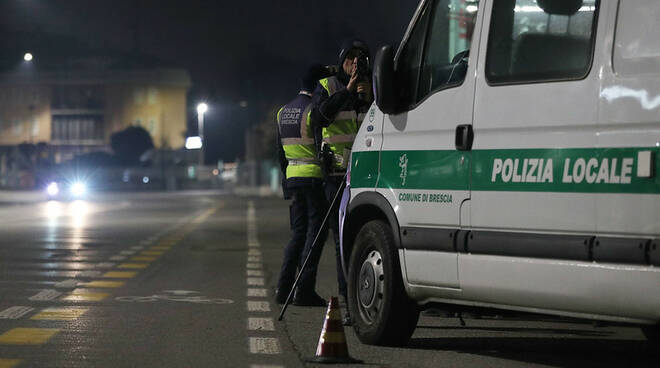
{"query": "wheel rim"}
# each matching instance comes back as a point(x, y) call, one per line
point(370, 286)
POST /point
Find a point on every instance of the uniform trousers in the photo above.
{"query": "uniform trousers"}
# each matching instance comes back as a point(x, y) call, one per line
point(307, 210)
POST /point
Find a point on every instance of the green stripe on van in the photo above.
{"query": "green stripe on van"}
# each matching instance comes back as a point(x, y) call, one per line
point(577, 170)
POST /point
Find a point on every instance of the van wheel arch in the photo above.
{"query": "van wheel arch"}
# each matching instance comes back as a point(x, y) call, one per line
point(365, 207)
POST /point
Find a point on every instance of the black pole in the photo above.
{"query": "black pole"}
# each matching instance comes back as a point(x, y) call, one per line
point(295, 283)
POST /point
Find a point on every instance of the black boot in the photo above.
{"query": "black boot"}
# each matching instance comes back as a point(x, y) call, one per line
point(308, 299)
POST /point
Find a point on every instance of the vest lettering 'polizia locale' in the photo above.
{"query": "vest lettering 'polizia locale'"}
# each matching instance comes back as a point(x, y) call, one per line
point(293, 121)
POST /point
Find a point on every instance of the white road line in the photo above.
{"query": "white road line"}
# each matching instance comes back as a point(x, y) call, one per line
point(89, 274)
point(137, 247)
point(266, 366)
point(261, 324)
point(45, 295)
point(146, 242)
point(255, 281)
point(255, 273)
point(259, 293)
point(254, 252)
point(254, 306)
point(264, 345)
point(254, 259)
point(117, 258)
point(105, 265)
point(127, 252)
point(253, 265)
point(15, 312)
point(67, 284)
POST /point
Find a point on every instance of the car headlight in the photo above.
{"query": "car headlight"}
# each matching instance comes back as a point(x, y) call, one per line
point(78, 189)
point(52, 189)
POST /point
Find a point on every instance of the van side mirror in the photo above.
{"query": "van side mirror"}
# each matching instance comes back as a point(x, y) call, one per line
point(383, 79)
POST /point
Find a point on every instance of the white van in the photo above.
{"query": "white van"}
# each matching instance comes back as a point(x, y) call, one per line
point(510, 161)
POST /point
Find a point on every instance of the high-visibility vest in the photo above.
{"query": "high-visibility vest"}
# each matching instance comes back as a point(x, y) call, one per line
point(293, 122)
point(340, 134)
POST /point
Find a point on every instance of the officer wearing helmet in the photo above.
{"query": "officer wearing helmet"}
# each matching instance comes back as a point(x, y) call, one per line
point(340, 103)
point(300, 165)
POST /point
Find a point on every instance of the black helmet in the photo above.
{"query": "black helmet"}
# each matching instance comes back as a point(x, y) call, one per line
point(349, 45)
point(313, 74)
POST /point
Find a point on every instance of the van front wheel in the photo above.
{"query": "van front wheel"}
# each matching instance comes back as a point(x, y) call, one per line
point(382, 312)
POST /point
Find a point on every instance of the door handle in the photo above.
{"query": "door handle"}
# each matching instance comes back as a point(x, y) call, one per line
point(368, 141)
point(464, 137)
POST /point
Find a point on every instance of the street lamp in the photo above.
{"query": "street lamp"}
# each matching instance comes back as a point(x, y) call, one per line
point(201, 109)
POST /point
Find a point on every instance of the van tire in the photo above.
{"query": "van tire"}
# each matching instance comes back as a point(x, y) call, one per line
point(381, 310)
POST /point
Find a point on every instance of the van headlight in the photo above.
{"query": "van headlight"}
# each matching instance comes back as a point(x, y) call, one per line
point(52, 189)
point(78, 189)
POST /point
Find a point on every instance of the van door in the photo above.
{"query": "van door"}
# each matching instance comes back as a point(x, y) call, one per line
point(423, 174)
point(533, 167)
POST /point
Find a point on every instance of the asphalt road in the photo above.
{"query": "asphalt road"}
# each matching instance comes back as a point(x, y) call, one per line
point(186, 280)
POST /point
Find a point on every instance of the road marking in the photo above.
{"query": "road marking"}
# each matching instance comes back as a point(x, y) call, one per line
point(89, 274)
point(143, 258)
point(258, 306)
point(67, 284)
point(104, 284)
point(255, 281)
point(259, 293)
point(253, 265)
point(152, 253)
point(146, 242)
point(254, 252)
point(117, 258)
point(127, 252)
point(27, 336)
point(137, 247)
point(254, 259)
point(15, 312)
point(84, 295)
point(59, 314)
point(133, 265)
point(255, 272)
point(264, 345)
point(261, 324)
point(105, 265)
point(266, 366)
point(120, 274)
point(9, 363)
point(45, 295)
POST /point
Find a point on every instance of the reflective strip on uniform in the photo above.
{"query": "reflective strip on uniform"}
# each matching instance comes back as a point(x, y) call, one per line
point(342, 138)
point(290, 141)
point(296, 162)
point(346, 115)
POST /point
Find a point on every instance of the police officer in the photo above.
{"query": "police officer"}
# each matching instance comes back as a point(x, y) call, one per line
point(299, 160)
point(340, 103)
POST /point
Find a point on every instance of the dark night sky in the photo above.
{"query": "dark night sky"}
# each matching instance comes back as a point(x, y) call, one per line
point(235, 51)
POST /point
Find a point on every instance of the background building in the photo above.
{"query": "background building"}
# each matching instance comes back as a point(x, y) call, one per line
point(76, 111)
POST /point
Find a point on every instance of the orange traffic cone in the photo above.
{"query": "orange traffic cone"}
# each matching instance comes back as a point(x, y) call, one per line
point(332, 347)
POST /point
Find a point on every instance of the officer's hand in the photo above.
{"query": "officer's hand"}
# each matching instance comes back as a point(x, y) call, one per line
point(364, 87)
point(352, 83)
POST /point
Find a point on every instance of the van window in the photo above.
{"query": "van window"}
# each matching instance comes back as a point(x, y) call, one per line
point(540, 40)
point(435, 54)
point(409, 60)
point(636, 44)
point(447, 46)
